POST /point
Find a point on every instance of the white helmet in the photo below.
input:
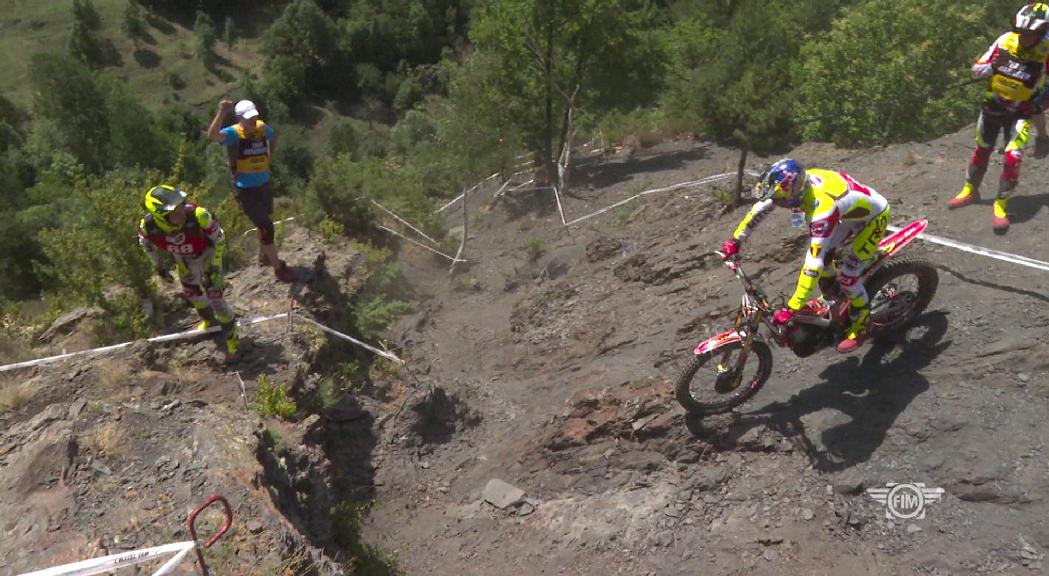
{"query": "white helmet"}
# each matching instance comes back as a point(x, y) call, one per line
point(1033, 17)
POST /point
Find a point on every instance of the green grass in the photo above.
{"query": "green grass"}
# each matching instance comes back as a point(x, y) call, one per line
point(31, 26)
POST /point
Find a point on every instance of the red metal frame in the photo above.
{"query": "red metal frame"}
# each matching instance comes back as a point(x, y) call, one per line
point(193, 529)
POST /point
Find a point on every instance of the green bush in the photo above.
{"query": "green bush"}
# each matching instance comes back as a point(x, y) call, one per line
point(900, 95)
point(133, 25)
point(343, 190)
point(89, 255)
point(342, 138)
point(373, 316)
point(534, 248)
point(272, 400)
point(330, 230)
point(204, 36)
point(347, 519)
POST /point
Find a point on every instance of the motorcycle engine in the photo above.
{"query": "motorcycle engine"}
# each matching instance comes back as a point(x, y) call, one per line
point(804, 339)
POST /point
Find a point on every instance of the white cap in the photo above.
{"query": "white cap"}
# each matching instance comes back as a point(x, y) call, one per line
point(246, 109)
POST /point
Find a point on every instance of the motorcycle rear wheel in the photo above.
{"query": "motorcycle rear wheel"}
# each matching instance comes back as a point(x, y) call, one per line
point(727, 397)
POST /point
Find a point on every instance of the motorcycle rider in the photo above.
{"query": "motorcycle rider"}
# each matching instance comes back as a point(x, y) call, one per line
point(845, 219)
point(195, 240)
point(1016, 64)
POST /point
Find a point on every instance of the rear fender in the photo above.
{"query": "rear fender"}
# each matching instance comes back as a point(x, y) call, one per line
point(902, 237)
point(717, 342)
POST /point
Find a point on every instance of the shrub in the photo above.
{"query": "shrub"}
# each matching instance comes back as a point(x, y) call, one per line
point(88, 255)
point(342, 138)
point(534, 248)
point(330, 230)
point(175, 80)
point(272, 400)
point(375, 314)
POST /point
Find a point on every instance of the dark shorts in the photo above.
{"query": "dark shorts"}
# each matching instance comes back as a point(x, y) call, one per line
point(257, 203)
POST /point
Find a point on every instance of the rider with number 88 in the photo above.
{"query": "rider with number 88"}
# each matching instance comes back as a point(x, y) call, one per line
point(845, 219)
point(195, 240)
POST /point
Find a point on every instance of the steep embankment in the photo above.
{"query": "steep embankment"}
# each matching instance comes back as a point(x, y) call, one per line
point(564, 363)
point(110, 453)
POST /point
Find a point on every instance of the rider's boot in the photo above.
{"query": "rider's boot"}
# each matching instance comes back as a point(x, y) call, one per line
point(1001, 217)
point(971, 190)
point(857, 331)
point(232, 342)
point(207, 317)
point(1000, 220)
point(968, 195)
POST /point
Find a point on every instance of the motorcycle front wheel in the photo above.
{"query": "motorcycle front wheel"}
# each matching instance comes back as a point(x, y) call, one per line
point(714, 384)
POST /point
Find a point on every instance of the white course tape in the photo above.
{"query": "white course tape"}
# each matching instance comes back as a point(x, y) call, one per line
point(336, 333)
point(175, 561)
point(981, 251)
point(164, 338)
point(694, 183)
point(194, 333)
point(250, 230)
point(460, 197)
point(419, 244)
point(405, 222)
point(113, 562)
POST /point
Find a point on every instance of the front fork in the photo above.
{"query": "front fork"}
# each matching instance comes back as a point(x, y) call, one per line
point(729, 376)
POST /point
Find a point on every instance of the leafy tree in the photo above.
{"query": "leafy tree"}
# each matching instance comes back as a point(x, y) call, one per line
point(343, 189)
point(204, 35)
point(89, 254)
point(909, 91)
point(85, 46)
point(134, 138)
point(85, 14)
point(302, 53)
point(542, 58)
point(229, 33)
point(387, 33)
point(133, 25)
point(342, 138)
point(732, 78)
point(67, 95)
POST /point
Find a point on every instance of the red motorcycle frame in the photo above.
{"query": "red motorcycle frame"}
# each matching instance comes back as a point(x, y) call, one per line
point(821, 323)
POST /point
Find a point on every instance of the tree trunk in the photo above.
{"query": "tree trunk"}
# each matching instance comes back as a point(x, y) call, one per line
point(739, 175)
point(548, 136)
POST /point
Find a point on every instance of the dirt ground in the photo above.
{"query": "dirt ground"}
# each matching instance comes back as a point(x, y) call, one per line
point(547, 362)
point(567, 360)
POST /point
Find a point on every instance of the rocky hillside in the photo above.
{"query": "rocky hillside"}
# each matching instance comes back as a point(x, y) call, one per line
point(533, 430)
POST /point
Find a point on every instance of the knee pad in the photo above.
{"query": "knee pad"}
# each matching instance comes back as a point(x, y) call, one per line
point(191, 292)
point(1011, 167)
point(266, 232)
point(980, 156)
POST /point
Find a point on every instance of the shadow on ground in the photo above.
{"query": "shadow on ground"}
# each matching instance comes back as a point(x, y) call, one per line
point(872, 391)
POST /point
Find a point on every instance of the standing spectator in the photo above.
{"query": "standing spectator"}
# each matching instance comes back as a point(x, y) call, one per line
point(1016, 66)
point(250, 143)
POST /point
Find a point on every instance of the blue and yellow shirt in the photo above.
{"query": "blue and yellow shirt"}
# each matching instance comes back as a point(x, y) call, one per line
point(249, 157)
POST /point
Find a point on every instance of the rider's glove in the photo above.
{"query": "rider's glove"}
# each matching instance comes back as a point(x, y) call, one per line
point(165, 275)
point(782, 316)
point(730, 248)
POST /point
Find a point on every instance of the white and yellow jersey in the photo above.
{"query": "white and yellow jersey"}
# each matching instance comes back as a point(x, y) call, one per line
point(836, 208)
